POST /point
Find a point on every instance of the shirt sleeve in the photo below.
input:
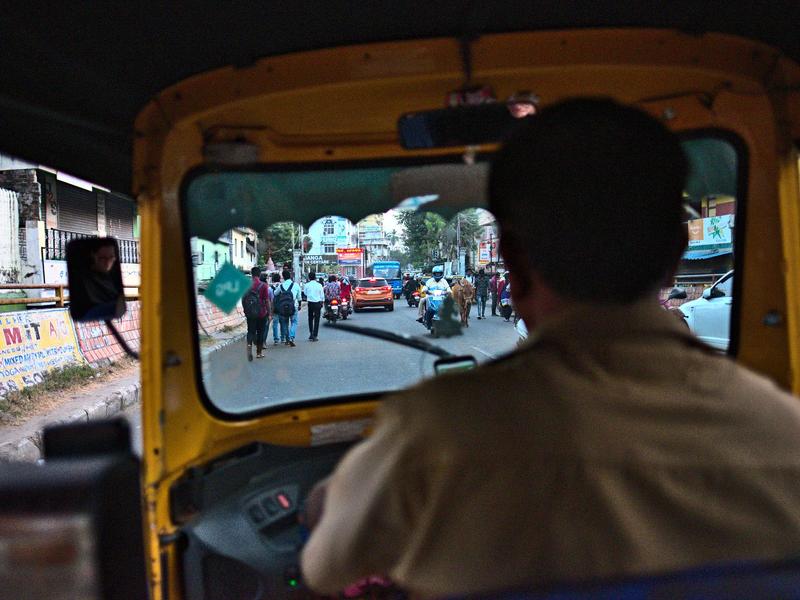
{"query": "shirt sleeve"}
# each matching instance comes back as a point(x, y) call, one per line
point(365, 523)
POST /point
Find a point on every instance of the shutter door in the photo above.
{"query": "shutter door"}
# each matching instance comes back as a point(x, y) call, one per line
point(119, 217)
point(77, 209)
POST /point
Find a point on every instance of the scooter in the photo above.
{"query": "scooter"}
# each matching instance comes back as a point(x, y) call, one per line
point(344, 309)
point(332, 311)
point(435, 301)
point(413, 299)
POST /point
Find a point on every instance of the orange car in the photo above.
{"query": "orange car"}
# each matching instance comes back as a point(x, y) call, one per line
point(373, 291)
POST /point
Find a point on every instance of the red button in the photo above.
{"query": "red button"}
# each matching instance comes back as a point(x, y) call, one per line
point(283, 500)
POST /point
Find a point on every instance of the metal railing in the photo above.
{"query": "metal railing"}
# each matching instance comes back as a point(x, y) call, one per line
point(56, 240)
point(60, 298)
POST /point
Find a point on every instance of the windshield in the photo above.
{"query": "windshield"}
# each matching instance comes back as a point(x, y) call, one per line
point(387, 271)
point(372, 283)
point(364, 227)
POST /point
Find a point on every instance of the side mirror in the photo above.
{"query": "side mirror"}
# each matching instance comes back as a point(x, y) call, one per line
point(95, 279)
point(677, 293)
point(454, 363)
point(707, 293)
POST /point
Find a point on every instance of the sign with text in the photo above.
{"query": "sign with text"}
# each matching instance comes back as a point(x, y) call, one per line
point(487, 252)
point(350, 256)
point(227, 288)
point(33, 342)
point(711, 232)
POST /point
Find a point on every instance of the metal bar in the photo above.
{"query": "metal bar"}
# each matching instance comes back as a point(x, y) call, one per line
point(31, 286)
point(8, 301)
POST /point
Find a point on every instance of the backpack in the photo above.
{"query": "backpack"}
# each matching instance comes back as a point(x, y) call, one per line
point(252, 302)
point(284, 301)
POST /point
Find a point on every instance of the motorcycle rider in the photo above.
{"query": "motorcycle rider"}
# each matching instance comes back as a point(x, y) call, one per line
point(332, 291)
point(409, 287)
point(437, 282)
point(345, 289)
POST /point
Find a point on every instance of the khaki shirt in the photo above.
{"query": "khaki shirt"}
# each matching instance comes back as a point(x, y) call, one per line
point(613, 443)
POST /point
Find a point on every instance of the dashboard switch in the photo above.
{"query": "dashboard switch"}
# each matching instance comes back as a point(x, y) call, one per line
point(270, 506)
point(283, 500)
point(256, 513)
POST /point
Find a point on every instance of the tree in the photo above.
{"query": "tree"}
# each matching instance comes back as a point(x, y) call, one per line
point(276, 241)
point(422, 233)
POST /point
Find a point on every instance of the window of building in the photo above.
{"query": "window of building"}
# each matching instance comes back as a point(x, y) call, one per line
point(327, 227)
point(328, 248)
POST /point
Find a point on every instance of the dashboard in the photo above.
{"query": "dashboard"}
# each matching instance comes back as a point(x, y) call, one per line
point(240, 533)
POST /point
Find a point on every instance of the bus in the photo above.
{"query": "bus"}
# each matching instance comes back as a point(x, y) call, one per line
point(389, 270)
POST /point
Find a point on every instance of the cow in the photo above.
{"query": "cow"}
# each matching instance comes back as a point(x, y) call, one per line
point(463, 296)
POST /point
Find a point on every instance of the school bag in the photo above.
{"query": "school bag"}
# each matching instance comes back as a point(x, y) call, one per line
point(252, 302)
point(284, 301)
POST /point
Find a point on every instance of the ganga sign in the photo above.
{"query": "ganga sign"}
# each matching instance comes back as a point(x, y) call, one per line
point(227, 288)
point(33, 342)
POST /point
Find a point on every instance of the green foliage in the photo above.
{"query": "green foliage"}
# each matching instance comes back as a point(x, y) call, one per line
point(428, 238)
point(278, 241)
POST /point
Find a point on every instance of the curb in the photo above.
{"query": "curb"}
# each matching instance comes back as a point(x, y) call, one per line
point(29, 449)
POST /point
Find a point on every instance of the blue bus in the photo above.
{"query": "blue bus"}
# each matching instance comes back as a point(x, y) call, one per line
point(390, 271)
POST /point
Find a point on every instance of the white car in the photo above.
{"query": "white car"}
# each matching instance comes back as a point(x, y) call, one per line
point(709, 317)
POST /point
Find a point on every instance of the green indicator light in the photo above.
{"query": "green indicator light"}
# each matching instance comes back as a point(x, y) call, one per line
point(293, 582)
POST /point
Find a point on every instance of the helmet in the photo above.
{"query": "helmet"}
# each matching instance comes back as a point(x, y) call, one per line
point(438, 272)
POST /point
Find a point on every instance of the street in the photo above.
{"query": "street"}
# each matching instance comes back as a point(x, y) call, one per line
point(342, 363)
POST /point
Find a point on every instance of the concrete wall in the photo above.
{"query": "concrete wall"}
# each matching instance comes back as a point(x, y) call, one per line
point(25, 183)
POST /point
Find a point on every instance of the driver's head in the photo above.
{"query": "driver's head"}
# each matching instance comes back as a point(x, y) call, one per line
point(588, 196)
point(438, 273)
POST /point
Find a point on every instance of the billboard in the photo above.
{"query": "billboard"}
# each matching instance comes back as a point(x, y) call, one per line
point(350, 256)
point(487, 252)
point(711, 233)
point(33, 342)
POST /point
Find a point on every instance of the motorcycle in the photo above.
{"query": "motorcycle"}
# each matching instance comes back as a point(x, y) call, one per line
point(413, 299)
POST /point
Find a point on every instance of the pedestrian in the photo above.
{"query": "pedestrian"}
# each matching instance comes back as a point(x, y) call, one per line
point(273, 287)
point(314, 299)
point(481, 292)
point(505, 297)
point(256, 307)
point(287, 305)
point(493, 292)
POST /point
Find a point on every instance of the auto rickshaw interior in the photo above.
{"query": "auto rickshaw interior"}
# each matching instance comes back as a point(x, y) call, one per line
point(310, 132)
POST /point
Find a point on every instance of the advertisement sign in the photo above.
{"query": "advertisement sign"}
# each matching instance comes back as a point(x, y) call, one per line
point(487, 252)
point(350, 256)
point(33, 342)
point(711, 232)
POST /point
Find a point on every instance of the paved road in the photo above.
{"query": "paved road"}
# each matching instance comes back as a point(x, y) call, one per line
point(342, 363)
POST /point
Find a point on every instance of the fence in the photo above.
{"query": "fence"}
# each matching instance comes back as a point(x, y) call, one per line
point(59, 299)
point(56, 240)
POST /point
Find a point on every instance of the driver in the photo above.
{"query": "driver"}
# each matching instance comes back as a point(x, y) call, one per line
point(614, 442)
point(437, 282)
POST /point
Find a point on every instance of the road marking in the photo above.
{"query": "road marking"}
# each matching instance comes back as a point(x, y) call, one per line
point(492, 356)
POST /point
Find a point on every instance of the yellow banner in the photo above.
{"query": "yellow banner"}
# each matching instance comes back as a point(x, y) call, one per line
point(33, 342)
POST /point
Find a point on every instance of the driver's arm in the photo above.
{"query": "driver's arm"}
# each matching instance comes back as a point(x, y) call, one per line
point(365, 521)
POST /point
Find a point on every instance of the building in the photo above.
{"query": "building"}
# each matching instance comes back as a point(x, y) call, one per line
point(208, 257)
point(242, 242)
point(327, 235)
point(54, 208)
point(373, 239)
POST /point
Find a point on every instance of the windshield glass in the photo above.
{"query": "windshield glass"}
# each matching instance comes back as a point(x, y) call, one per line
point(379, 233)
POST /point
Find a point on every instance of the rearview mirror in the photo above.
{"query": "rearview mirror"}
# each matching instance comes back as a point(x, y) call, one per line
point(95, 279)
point(457, 126)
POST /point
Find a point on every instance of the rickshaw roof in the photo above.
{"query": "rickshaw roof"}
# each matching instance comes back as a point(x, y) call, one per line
point(75, 75)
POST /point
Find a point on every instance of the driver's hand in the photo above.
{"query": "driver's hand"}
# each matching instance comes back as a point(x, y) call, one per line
point(314, 505)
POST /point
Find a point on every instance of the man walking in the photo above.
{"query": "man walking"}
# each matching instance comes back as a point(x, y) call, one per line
point(481, 293)
point(314, 299)
point(287, 305)
point(256, 307)
point(493, 292)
